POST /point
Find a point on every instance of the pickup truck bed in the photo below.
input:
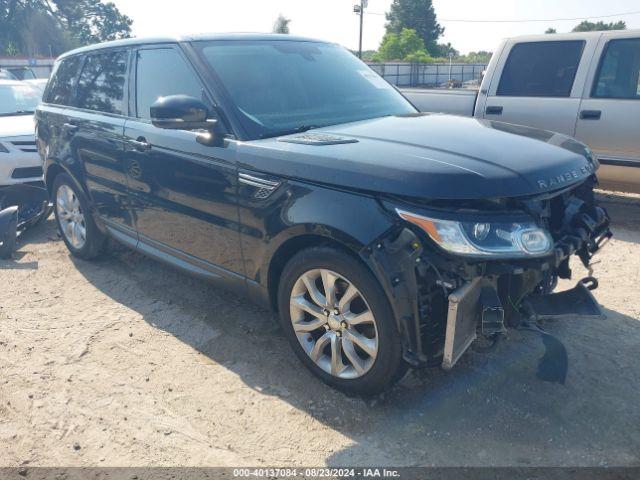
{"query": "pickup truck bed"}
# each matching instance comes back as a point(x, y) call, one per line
point(457, 102)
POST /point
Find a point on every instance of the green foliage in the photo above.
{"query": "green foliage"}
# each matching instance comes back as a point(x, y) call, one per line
point(408, 47)
point(475, 57)
point(399, 46)
point(550, 31)
point(367, 55)
point(90, 21)
point(587, 26)
point(41, 27)
point(445, 50)
point(42, 34)
point(421, 56)
point(281, 25)
point(417, 15)
point(11, 50)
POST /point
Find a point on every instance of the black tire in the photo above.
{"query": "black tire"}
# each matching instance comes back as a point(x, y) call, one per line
point(95, 241)
point(388, 366)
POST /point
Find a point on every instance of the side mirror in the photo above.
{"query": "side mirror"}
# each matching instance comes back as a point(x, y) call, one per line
point(182, 112)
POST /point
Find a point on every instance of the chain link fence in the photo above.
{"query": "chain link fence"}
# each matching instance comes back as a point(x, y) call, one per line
point(403, 74)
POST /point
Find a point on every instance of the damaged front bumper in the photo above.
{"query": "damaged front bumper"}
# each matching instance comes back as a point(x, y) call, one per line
point(443, 302)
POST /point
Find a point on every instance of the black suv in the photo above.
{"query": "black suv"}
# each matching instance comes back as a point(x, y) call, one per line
point(286, 169)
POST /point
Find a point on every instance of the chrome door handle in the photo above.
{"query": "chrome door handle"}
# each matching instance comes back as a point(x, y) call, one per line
point(140, 144)
point(71, 127)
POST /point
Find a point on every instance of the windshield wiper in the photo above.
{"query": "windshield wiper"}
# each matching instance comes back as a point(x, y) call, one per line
point(291, 131)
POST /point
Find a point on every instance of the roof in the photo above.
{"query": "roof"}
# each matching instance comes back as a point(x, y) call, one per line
point(192, 38)
point(578, 35)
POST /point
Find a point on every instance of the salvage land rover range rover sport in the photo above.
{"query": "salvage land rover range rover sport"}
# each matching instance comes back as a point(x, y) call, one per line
point(286, 169)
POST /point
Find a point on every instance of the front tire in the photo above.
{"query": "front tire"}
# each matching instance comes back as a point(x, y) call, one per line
point(339, 322)
point(75, 223)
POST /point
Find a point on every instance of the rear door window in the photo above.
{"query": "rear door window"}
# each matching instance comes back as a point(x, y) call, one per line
point(153, 82)
point(102, 82)
point(541, 69)
point(61, 86)
point(619, 73)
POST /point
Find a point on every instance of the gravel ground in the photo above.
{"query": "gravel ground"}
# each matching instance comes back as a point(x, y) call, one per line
point(126, 362)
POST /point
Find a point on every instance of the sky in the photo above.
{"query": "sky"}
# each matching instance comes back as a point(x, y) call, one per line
point(334, 20)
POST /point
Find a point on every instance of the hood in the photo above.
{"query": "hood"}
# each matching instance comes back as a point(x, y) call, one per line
point(17, 126)
point(430, 156)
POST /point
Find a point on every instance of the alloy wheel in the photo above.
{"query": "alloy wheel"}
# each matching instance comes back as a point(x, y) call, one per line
point(334, 323)
point(71, 217)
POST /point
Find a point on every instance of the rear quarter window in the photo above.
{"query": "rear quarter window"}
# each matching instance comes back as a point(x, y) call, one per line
point(541, 69)
point(61, 86)
point(102, 82)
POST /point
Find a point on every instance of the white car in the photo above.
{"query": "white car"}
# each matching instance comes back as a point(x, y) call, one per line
point(39, 83)
point(19, 159)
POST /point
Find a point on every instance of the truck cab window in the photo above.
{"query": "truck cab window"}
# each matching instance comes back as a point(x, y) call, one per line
point(541, 69)
point(153, 82)
point(619, 74)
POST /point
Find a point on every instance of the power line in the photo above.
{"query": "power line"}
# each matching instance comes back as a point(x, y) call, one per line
point(527, 21)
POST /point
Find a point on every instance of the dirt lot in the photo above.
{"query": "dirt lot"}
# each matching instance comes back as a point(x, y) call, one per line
point(126, 362)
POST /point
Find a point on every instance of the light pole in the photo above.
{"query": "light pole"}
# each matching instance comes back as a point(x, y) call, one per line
point(359, 9)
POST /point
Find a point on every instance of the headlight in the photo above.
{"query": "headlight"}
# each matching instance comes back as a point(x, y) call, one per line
point(484, 238)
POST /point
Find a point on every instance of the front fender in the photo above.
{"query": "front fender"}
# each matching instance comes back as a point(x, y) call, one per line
point(299, 215)
point(298, 210)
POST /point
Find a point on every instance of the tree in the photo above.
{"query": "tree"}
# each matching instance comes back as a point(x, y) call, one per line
point(587, 26)
point(417, 15)
point(406, 45)
point(43, 35)
point(41, 27)
point(281, 25)
point(476, 57)
point(91, 21)
point(445, 50)
point(550, 31)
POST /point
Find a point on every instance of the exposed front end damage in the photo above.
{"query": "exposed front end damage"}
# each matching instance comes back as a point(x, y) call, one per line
point(443, 301)
point(21, 206)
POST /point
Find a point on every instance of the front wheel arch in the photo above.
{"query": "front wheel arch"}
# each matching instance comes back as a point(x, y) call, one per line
point(291, 247)
point(389, 366)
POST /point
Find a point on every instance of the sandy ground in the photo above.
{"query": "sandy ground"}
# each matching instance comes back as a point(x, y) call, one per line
point(126, 362)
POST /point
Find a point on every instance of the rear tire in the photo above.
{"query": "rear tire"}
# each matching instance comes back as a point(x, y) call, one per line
point(356, 348)
point(79, 231)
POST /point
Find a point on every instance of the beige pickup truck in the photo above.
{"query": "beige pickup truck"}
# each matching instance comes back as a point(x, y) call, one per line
point(585, 85)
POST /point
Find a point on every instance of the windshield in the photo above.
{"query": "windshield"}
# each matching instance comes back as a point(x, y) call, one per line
point(280, 87)
point(18, 100)
point(6, 75)
point(22, 73)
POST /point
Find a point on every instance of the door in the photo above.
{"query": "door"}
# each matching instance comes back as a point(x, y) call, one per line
point(609, 120)
point(183, 192)
point(95, 127)
point(538, 84)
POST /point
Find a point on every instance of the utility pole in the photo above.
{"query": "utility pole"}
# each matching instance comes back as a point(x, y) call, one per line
point(359, 9)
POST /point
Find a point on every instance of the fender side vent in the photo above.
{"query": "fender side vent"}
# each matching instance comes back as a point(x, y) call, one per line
point(317, 139)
